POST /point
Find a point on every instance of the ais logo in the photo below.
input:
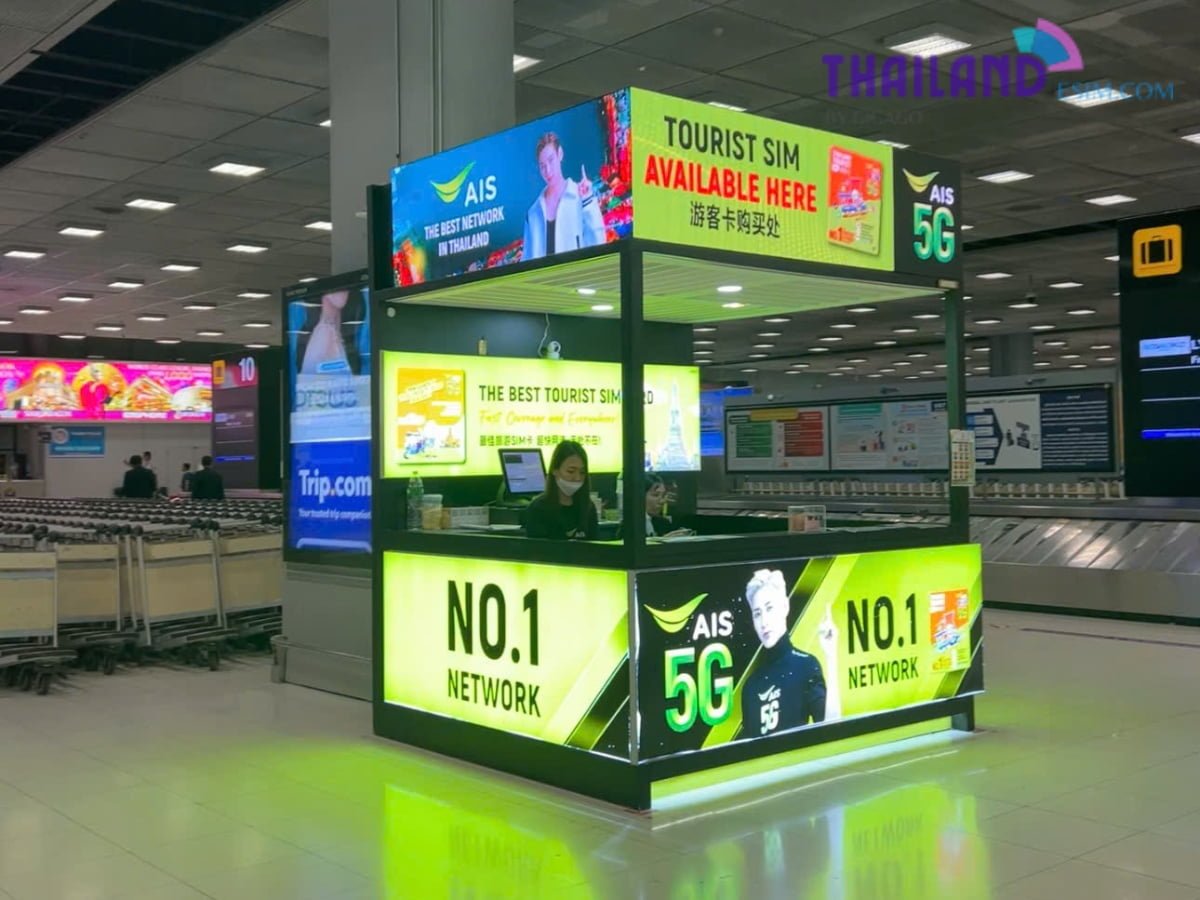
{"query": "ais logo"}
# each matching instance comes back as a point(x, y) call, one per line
point(479, 190)
point(933, 221)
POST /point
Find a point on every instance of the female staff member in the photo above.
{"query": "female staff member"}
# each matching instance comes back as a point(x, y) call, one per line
point(564, 511)
point(658, 525)
point(565, 216)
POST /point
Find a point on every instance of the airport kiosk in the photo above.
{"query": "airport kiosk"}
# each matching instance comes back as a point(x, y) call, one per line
point(546, 283)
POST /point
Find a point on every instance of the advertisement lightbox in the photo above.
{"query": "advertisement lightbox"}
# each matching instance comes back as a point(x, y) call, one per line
point(81, 390)
point(448, 415)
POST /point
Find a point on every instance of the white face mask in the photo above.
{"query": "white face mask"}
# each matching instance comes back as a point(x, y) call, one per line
point(568, 487)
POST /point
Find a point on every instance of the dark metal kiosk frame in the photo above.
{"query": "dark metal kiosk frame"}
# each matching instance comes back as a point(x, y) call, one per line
point(448, 317)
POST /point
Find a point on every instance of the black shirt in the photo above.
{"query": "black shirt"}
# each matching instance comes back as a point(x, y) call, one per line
point(207, 484)
point(786, 690)
point(140, 483)
point(545, 518)
point(550, 235)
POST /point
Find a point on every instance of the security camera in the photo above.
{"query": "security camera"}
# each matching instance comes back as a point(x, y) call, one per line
point(1030, 296)
point(551, 350)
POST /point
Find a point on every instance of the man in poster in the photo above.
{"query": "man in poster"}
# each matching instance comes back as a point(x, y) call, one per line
point(787, 687)
point(566, 215)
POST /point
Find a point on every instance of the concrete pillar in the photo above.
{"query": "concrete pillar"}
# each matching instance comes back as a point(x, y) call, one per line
point(1011, 354)
point(408, 78)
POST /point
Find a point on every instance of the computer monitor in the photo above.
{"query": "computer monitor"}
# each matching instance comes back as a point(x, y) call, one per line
point(524, 472)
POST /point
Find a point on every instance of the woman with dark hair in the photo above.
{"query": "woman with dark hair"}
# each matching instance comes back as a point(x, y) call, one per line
point(564, 511)
point(657, 524)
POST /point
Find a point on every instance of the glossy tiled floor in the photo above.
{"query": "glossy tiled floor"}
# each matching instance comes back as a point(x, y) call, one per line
point(161, 785)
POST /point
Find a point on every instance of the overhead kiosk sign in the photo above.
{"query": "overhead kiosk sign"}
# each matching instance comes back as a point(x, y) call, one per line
point(638, 164)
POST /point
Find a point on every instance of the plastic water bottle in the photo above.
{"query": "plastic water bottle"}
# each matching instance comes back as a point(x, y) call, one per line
point(620, 498)
point(416, 494)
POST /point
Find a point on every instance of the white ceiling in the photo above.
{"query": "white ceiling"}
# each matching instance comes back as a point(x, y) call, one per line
point(259, 98)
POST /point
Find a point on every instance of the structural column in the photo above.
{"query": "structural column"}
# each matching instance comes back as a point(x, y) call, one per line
point(1011, 354)
point(408, 78)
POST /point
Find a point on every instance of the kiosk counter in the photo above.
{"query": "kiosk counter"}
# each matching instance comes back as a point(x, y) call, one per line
point(547, 284)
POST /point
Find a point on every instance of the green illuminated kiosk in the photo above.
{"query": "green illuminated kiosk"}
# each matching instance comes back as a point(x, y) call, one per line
point(552, 282)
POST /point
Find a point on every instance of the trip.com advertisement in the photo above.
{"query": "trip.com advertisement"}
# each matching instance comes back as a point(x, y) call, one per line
point(331, 496)
point(749, 651)
point(329, 417)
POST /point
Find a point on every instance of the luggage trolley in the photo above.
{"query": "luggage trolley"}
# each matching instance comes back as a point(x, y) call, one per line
point(29, 653)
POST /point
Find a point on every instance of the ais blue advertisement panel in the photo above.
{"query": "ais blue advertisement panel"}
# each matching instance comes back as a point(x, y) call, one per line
point(329, 423)
point(330, 506)
point(549, 186)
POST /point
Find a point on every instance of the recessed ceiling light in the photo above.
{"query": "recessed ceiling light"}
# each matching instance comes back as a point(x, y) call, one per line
point(1192, 137)
point(152, 317)
point(886, 343)
point(846, 368)
point(940, 366)
point(719, 105)
point(702, 353)
point(769, 334)
point(1116, 257)
point(857, 360)
point(992, 321)
point(1054, 343)
point(729, 289)
point(1023, 304)
point(307, 279)
point(831, 338)
point(326, 123)
point(935, 44)
point(247, 248)
point(888, 371)
point(874, 375)
point(965, 227)
point(150, 203)
point(1077, 366)
point(110, 326)
point(749, 371)
point(258, 346)
point(602, 307)
point(911, 377)
point(703, 343)
point(74, 298)
point(181, 267)
point(927, 316)
point(585, 291)
point(993, 276)
point(831, 374)
point(210, 332)
point(982, 348)
point(1098, 96)
point(1116, 293)
point(1005, 176)
point(818, 349)
point(256, 324)
point(319, 225)
point(901, 363)
point(254, 295)
point(777, 320)
point(904, 329)
point(756, 356)
point(1106, 359)
point(1041, 365)
point(6, 322)
point(704, 362)
point(1041, 327)
point(844, 325)
point(763, 346)
point(1082, 311)
point(35, 310)
point(1070, 356)
point(1111, 199)
point(734, 305)
point(1065, 285)
point(704, 329)
point(917, 355)
point(200, 307)
point(927, 372)
point(521, 63)
point(1101, 347)
point(800, 365)
point(24, 253)
point(241, 170)
point(968, 297)
point(167, 341)
point(798, 372)
point(861, 310)
point(72, 337)
point(982, 368)
point(896, 144)
point(86, 231)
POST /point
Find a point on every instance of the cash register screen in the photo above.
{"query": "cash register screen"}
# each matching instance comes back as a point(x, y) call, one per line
point(524, 472)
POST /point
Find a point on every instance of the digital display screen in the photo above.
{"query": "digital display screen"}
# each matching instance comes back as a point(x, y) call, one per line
point(448, 415)
point(235, 419)
point(712, 418)
point(328, 359)
point(524, 471)
point(1169, 375)
point(41, 390)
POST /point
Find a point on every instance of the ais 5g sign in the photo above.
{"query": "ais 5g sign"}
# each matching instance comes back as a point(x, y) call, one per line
point(928, 199)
